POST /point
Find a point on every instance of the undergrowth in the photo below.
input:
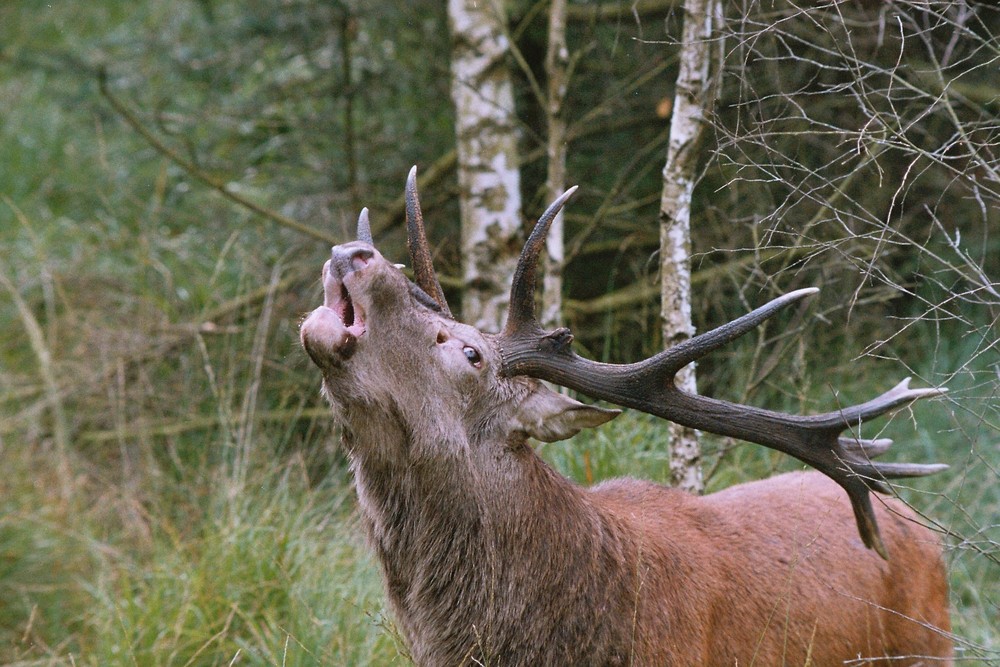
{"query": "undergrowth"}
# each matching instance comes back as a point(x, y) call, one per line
point(273, 573)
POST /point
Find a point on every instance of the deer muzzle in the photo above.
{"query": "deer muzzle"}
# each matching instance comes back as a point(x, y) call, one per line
point(329, 334)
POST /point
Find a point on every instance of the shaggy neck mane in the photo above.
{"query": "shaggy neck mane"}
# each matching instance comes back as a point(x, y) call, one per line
point(451, 540)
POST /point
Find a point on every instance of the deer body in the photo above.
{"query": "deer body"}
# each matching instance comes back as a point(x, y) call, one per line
point(490, 557)
point(530, 569)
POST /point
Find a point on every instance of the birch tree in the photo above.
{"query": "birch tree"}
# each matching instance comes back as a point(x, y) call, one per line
point(556, 62)
point(488, 175)
point(693, 99)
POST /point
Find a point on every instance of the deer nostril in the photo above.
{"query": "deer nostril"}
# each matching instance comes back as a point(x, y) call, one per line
point(360, 257)
point(349, 257)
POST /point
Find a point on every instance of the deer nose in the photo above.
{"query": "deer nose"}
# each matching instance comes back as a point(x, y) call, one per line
point(351, 257)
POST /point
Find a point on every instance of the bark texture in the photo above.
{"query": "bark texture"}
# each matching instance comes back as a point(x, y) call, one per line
point(488, 175)
point(693, 99)
point(556, 62)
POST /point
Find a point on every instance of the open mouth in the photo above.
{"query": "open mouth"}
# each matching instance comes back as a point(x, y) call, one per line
point(343, 305)
point(330, 333)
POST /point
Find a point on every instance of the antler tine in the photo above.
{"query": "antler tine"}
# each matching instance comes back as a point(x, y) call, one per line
point(521, 312)
point(867, 449)
point(899, 395)
point(416, 242)
point(693, 349)
point(365, 227)
point(649, 386)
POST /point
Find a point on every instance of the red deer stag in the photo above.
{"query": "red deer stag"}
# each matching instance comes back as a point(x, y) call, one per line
point(490, 557)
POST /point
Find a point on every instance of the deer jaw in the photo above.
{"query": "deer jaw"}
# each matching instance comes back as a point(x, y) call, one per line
point(363, 339)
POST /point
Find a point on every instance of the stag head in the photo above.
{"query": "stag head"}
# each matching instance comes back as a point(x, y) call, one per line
point(392, 354)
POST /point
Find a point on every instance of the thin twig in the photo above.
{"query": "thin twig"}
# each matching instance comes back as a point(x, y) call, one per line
point(219, 185)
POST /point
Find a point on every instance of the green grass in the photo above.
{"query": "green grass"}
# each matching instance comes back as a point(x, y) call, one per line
point(274, 573)
point(277, 577)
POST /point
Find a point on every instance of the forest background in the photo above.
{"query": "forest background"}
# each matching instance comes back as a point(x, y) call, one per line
point(172, 175)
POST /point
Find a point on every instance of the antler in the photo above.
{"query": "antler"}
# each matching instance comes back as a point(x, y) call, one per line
point(365, 227)
point(649, 386)
point(416, 241)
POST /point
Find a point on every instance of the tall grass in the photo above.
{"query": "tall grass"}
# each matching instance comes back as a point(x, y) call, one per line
point(275, 575)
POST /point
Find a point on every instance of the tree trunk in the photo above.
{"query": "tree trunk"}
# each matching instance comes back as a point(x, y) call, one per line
point(556, 61)
point(488, 176)
point(693, 99)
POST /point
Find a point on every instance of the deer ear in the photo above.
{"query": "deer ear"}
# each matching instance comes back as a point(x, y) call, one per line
point(548, 416)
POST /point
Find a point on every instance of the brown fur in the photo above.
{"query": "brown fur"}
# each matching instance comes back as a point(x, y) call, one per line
point(491, 557)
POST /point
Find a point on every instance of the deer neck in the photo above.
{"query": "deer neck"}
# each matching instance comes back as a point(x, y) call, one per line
point(456, 534)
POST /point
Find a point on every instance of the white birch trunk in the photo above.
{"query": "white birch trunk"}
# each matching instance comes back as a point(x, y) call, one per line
point(556, 62)
point(488, 176)
point(692, 101)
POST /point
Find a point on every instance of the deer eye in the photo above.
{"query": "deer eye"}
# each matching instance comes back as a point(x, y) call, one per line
point(472, 354)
